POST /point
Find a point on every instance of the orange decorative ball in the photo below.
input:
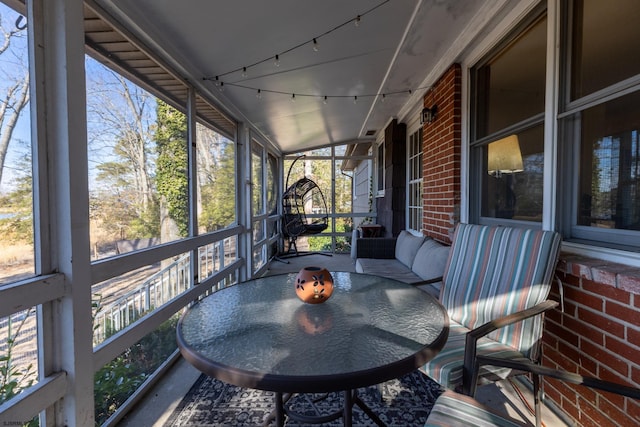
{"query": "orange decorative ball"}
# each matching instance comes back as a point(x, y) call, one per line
point(314, 285)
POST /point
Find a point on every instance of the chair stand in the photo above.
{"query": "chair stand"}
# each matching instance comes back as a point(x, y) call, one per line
point(296, 253)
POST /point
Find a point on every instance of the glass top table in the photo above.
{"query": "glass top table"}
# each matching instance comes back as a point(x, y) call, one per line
point(258, 334)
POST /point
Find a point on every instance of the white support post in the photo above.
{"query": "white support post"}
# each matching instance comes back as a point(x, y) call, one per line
point(194, 202)
point(57, 67)
point(243, 213)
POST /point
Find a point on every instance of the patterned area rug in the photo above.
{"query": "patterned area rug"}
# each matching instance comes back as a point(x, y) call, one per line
point(401, 402)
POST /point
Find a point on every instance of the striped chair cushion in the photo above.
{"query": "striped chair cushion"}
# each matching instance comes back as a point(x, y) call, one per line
point(495, 271)
point(457, 410)
point(446, 367)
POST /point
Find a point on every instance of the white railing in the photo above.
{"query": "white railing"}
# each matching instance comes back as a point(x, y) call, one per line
point(155, 291)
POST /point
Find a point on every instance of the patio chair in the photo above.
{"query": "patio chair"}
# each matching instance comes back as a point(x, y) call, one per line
point(495, 288)
point(456, 410)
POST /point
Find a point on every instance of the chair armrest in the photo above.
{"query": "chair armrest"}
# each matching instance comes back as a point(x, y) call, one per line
point(427, 282)
point(562, 375)
point(471, 365)
point(376, 247)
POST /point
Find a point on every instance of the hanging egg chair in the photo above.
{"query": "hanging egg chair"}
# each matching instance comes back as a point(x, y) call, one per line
point(304, 211)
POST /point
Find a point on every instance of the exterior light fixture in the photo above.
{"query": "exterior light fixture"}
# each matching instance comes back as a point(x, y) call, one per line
point(428, 115)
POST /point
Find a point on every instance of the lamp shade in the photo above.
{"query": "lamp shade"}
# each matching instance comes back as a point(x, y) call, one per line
point(504, 156)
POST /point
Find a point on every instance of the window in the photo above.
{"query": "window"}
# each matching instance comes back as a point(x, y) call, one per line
point(600, 124)
point(216, 163)
point(137, 158)
point(380, 169)
point(507, 143)
point(415, 181)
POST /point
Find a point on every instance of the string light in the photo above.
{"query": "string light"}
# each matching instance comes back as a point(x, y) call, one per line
point(313, 40)
point(325, 98)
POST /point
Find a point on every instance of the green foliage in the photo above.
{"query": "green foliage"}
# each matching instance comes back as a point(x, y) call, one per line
point(219, 195)
point(147, 224)
point(13, 379)
point(171, 167)
point(121, 377)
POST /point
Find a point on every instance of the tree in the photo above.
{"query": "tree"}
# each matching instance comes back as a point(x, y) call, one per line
point(171, 169)
point(121, 122)
point(15, 86)
point(216, 175)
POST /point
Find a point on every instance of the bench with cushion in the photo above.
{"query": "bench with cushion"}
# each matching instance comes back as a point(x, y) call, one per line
point(417, 260)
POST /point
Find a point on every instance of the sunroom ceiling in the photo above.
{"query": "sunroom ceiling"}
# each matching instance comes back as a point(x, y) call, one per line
point(398, 49)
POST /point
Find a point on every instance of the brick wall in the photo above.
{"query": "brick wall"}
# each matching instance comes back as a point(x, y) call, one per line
point(597, 334)
point(441, 157)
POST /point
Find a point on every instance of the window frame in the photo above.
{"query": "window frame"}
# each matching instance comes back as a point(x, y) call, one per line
point(380, 168)
point(569, 146)
point(476, 144)
point(412, 180)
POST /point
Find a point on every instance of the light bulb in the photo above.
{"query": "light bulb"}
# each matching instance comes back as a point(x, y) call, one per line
point(276, 61)
point(217, 81)
point(244, 71)
point(221, 87)
point(383, 97)
point(355, 99)
point(315, 45)
point(259, 94)
point(325, 100)
point(293, 97)
point(357, 21)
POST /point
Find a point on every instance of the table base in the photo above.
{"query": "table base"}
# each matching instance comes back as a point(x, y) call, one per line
point(350, 397)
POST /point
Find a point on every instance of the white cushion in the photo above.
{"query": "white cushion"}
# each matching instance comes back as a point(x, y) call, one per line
point(407, 246)
point(430, 260)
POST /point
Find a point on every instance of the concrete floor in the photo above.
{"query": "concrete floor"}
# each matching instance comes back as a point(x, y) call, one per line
point(155, 409)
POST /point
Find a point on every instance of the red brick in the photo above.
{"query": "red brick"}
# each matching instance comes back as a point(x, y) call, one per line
point(621, 348)
point(623, 312)
point(602, 356)
point(590, 415)
point(607, 274)
point(583, 330)
point(633, 410)
point(580, 297)
point(630, 281)
point(607, 291)
point(604, 323)
point(607, 374)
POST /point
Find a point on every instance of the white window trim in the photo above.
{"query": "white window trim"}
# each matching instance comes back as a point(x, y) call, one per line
point(414, 129)
point(379, 188)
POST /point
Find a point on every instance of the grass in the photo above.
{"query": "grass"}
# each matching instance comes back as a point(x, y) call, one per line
point(16, 261)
